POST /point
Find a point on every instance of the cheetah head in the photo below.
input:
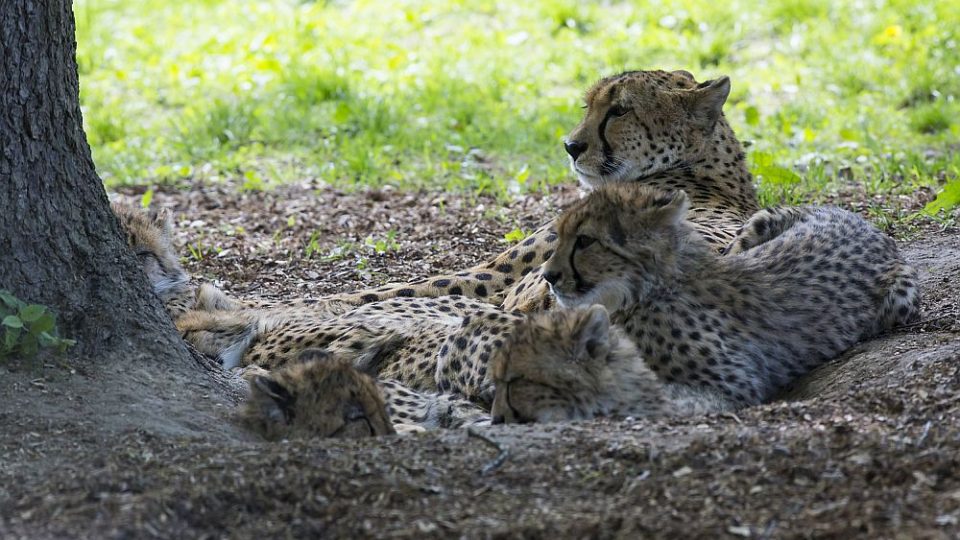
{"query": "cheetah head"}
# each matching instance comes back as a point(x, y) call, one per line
point(568, 365)
point(640, 123)
point(616, 245)
point(320, 396)
point(150, 236)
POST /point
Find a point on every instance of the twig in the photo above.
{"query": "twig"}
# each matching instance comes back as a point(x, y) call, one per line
point(897, 329)
point(923, 436)
point(732, 417)
point(497, 462)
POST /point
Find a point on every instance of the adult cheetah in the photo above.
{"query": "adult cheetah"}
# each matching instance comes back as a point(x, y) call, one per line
point(656, 128)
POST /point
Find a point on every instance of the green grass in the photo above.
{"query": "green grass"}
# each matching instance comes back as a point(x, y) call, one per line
point(476, 96)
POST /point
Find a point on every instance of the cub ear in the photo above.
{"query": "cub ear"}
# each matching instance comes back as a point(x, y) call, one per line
point(670, 208)
point(593, 334)
point(685, 74)
point(278, 407)
point(705, 102)
point(313, 355)
point(377, 351)
point(163, 219)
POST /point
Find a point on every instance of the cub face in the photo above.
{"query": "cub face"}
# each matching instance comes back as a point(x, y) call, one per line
point(320, 396)
point(616, 245)
point(639, 123)
point(150, 236)
point(553, 368)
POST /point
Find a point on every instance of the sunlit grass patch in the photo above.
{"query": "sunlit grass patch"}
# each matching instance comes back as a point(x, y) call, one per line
point(477, 96)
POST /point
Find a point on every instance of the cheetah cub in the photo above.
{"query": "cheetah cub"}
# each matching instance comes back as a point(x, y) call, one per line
point(742, 325)
point(574, 365)
point(150, 236)
point(319, 396)
point(324, 394)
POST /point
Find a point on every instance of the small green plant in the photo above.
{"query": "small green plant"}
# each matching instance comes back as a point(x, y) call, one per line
point(515, 236)
point(199, 250)
point(946, 200)
point(313, 245)
point(146, 198)
point(383, 245)
point(27, 328)
point(252, 182)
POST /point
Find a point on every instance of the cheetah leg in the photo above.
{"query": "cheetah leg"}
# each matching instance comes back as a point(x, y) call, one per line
point(901, 303)
point(211, 298)
point(429, 410)
point(686, 400)
point(488, 282)
point(224, 336)
point(764, 226)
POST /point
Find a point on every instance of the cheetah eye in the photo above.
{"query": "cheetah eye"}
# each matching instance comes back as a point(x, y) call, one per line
point(354, 412)
point(617, 111)
point(584, 241)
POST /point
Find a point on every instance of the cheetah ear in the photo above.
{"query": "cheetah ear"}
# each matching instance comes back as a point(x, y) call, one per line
point(593, 334)
point(705, 102)
point(685, 74)
point(376, 351)
point(313, 355)
point(279, 407)
point(163, 219)
point(671, 208)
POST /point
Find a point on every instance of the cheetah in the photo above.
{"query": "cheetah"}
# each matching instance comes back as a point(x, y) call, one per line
point(150, 237)
point(575, 365)
point(657, 128)
point(428, 356)
point(150, 234)
point(319, 396)
point(325, 395)
point(743, 325)
point(428, 344)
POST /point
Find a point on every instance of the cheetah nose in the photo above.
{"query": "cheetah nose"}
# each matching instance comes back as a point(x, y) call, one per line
point(498, 419)
point(551, 276)
point(574, 148)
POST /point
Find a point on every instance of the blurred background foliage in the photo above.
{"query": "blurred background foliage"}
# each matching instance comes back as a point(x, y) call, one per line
point(477, 95)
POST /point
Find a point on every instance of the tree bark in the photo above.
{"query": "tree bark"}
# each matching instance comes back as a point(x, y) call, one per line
point(60, 244)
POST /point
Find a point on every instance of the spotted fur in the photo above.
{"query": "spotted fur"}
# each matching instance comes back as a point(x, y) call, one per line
point(319, 396)
point(435, 352)
point(150, 237)
point(743, 325)
point(219, 326)
point(657, 128)
point(574, 365)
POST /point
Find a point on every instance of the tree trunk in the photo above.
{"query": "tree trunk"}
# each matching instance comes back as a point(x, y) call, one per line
point(59, 242)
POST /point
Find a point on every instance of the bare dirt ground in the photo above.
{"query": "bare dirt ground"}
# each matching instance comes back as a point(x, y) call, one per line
point(867, 446)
